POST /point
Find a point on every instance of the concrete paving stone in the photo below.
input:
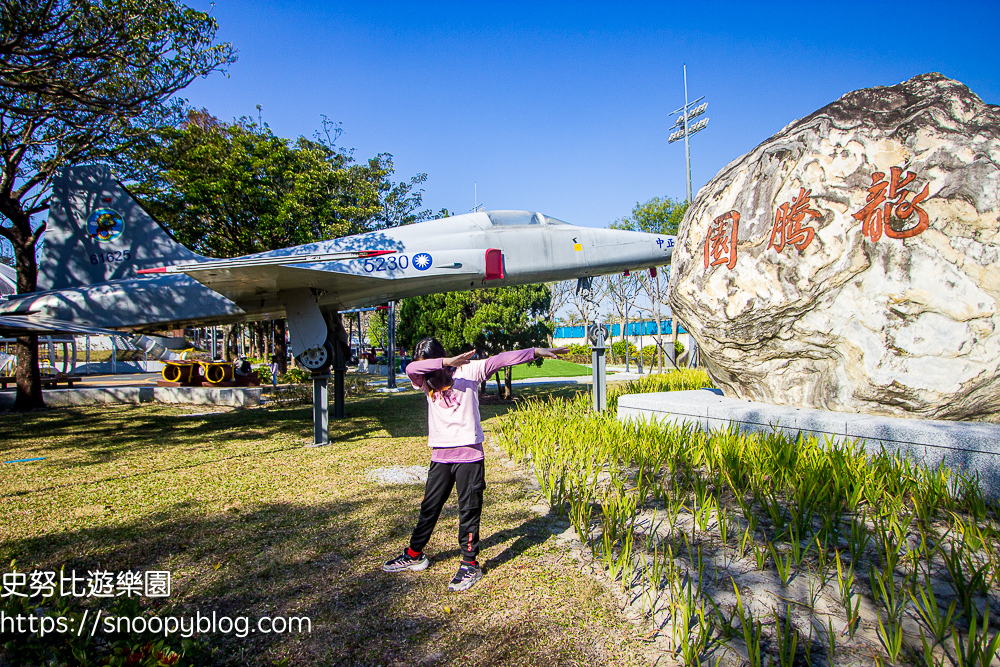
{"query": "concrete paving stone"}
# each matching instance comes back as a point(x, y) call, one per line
point(399, 475)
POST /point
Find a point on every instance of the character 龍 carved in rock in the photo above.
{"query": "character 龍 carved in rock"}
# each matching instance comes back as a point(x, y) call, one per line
point(887, 200)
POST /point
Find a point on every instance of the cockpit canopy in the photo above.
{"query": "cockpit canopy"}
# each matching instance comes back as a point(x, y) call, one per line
point(521, 218)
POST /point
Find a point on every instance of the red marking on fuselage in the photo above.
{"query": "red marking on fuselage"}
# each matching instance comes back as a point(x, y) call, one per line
point(374, 253)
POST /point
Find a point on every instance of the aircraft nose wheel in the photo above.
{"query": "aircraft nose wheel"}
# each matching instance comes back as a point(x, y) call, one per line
point(317, 358)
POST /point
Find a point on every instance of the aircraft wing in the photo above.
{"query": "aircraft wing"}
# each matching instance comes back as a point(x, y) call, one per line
point(23, 325)
point(241, 281)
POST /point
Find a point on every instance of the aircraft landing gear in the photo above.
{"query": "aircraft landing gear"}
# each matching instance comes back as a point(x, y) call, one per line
point(330, 361)
point(317, 359)
point(307, 327)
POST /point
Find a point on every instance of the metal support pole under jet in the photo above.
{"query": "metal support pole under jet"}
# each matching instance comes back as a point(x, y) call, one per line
point(597, 334)
point(321, 410)
point(391, 352)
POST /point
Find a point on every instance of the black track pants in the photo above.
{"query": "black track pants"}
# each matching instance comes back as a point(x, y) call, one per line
point(441, 477)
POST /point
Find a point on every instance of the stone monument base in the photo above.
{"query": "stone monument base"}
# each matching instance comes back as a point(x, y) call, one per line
point(241, 397)
point(969, 447)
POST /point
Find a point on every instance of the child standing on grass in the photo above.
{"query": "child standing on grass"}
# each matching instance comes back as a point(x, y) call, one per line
point(455, 436)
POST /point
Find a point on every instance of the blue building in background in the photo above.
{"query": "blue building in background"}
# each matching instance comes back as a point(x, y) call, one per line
point(632, 329)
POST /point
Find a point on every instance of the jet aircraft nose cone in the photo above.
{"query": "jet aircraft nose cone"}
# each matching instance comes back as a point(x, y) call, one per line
point(622, 250)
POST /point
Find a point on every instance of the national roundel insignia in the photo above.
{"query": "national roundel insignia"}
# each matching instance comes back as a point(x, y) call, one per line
point(105, 225)
point(422, 261)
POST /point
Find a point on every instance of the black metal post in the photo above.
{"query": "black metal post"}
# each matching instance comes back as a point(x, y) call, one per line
point(338, 394)
point(596, 334)
point(391, 382)
point(321, 410)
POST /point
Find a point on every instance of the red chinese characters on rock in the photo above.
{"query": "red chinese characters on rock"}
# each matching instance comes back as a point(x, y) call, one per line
point(720, 243)
point(887, 200)
point(788, 228)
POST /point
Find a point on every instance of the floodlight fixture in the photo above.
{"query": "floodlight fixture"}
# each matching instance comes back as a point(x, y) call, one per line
point(686, 128)
point(696, 111)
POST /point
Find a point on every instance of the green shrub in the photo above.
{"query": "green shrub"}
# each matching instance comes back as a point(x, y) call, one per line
point(675, 380)
point(604, 475)
point(264, 372)
point(584, 359)
point(357, 386)
point(295, 376)
point(618, 349)
point(292, 394)
point(576, 350)
point(649, 352)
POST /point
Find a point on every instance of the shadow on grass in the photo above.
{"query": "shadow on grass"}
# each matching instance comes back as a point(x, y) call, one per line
point(322, 561)
point(319, 558)
point(405, 415)
point(98, 436)
point(101, 433)
point(529, 534)
point(164, 442)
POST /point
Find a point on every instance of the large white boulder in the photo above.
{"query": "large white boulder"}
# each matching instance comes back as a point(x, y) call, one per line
point(850, 262)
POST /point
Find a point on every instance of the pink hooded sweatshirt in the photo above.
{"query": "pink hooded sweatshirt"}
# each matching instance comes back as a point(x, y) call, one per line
point(453, 415)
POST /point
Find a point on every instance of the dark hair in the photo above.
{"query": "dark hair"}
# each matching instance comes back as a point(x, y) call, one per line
point(428, 348)
point(431, 348)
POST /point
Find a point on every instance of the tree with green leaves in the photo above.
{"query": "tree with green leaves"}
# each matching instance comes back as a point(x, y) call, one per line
point(231, 189)
point(659, 215)
point(489, 320)
point(378, 328)
point(80, 80)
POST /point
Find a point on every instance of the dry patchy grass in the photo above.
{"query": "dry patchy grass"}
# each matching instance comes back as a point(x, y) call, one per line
point(250, 521)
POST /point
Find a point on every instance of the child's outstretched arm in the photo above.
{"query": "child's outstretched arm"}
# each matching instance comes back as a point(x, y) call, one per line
point(417, 369)
point(504, 359)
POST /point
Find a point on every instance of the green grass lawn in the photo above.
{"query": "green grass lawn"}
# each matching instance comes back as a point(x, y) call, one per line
point(550, 368)
point(251, 521)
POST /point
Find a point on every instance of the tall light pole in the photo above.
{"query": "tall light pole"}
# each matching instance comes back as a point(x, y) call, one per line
point(686, 129)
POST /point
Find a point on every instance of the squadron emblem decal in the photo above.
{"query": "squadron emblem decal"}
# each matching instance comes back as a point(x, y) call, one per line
point(422, 261)
point(105, 225)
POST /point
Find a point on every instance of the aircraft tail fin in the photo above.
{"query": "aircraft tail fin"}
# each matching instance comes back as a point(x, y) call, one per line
point(97, 232)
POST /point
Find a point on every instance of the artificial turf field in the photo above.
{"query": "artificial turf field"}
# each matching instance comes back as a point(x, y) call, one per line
point(250, 521)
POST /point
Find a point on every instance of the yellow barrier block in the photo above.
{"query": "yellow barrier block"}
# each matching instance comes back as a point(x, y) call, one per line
point(217, 371)
point(179, 371)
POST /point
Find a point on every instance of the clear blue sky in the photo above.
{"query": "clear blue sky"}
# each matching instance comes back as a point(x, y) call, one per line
point(563, 108)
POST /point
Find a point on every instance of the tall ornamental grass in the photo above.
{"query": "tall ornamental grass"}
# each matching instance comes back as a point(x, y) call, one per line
point(679, 380)
point(657, 504)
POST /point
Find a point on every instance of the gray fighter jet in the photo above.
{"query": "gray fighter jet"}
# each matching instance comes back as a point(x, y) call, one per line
point(107, 262)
